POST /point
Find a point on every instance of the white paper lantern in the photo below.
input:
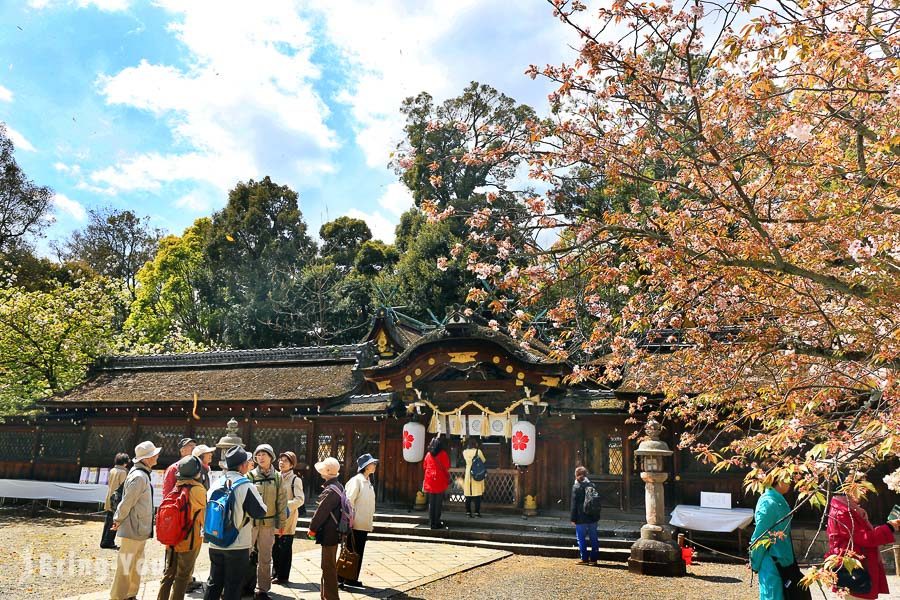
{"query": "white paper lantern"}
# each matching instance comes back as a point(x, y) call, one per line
point(413, 442)
point(524, 438)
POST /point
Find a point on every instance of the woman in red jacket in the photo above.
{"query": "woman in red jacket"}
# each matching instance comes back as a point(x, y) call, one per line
point(849, 529)
point(437, 480)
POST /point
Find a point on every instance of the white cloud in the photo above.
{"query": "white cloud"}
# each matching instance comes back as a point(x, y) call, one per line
point(397, 51)
point(245, 107)
point(382, 227)
point(66, 205)
point(196, 202)
point(6, 94)
point(396, 199)
point(19, 140)
point(67, 169)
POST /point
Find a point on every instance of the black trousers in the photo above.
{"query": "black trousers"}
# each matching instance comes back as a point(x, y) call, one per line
point(358, 545)
point(282, 552)
point(476, 500)
point(435, 504)
point(226, 573)
point(108, 537)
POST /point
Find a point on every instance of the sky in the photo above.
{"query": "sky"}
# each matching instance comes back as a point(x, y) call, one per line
point(161, 107)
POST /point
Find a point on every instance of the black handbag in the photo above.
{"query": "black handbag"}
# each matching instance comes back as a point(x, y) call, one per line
point(856, 581)
point(790, 579)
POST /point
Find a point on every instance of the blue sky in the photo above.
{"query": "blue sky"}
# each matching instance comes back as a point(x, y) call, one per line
point(161, 107)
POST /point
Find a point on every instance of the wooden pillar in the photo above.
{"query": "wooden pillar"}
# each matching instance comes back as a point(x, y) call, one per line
point(382, 445)
point(628, 459)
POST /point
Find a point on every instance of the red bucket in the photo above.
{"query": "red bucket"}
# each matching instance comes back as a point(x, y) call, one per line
point(687, 555)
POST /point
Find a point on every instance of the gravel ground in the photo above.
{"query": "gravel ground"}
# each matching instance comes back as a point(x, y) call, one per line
point(521, 577)
point(56, 557)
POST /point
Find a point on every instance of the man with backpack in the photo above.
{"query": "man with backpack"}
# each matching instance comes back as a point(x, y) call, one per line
point(133, 520)
point(585, 514)
point(232, 502)
point(331, 517)
point(185, 447)
point(179, 526)
point(267, 480)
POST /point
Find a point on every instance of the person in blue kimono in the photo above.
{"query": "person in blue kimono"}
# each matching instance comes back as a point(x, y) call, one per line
point(771, 540)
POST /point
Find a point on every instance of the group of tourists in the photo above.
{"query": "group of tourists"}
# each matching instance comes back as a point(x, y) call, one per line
point(850, 534)
point(248, 517)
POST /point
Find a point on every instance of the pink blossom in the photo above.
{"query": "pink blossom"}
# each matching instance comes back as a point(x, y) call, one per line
point(442, 263)
point(802, 132)
point(493, 324)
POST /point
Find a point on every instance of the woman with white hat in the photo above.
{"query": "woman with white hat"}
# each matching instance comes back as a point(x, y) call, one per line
point(361, 495)
point(323, 527)
point(133, 520)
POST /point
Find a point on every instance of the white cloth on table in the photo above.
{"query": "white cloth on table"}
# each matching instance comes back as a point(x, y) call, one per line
point(53, 490)
point(710, 519)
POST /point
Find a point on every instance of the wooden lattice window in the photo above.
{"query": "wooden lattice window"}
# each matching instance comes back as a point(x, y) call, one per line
point(209, 434)
point(340, 451)
point(281, 439)
point(323, 450)
point(60, 445)
point(16, 445)
point(615, 456)
point(500, 486)
point(105, 441)
point(163, 435)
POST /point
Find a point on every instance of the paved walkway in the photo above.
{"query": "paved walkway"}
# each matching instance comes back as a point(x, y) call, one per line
point(389, 568)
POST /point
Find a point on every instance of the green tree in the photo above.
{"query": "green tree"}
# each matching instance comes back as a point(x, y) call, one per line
point(375, 257)
point(457, 150)
point(114, 243)
point(23, 205)
point(174, 292)
point(256, 246)
point(48, 339)
point(342, 239)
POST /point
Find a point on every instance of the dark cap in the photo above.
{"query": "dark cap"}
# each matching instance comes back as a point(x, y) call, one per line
point(185, 441)
point(235, 457)
point(189, 467)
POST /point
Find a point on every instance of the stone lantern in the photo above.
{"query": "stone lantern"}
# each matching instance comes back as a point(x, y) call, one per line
point(228, 441)
point(655, 553)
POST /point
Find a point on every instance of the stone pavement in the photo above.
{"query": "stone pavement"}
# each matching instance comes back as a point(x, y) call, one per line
point(389, 568)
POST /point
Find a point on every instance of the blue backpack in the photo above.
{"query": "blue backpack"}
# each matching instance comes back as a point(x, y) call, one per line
point(219, 526)
point(479, 469)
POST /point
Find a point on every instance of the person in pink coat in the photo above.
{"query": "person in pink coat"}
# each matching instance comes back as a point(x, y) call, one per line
point(849, 529)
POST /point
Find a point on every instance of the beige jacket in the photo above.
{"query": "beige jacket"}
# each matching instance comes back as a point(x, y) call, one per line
point(117, 476)
point(361, 496)
point(293, 491)
point(271, 491)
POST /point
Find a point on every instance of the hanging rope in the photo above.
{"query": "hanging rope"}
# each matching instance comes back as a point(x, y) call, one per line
point(434, 425)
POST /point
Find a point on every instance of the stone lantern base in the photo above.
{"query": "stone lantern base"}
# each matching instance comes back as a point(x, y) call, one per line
point(651, 556)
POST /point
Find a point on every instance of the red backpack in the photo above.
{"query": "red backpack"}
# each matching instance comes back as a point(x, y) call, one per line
point(173, 518)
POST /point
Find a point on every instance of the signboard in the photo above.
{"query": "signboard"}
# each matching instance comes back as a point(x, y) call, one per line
point(715, 500)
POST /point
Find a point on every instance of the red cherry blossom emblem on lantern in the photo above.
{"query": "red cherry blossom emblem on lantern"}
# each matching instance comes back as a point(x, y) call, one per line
point(408, 440)
point(519, 441)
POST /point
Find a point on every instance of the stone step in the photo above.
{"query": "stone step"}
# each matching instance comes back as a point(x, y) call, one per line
point(610, 554)
point(535, 525)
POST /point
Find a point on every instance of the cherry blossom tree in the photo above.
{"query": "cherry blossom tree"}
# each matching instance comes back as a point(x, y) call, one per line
point(723, 182)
